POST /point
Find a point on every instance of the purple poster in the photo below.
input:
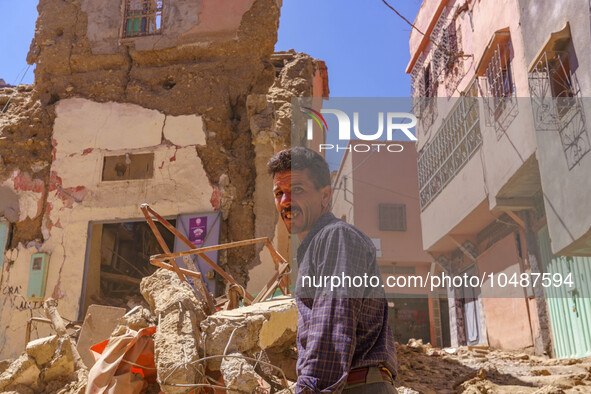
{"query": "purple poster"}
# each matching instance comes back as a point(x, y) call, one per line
point(197, 230)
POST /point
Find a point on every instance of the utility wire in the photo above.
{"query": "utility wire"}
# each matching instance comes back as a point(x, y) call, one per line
point(447, 52)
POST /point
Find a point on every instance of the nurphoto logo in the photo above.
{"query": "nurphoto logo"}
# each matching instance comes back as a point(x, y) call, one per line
point(393, 121)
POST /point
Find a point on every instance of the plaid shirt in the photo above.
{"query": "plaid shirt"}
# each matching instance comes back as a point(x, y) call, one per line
point(345, 328)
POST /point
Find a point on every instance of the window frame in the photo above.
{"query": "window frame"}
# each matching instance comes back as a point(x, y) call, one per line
point(382, 212)
point(142, 16)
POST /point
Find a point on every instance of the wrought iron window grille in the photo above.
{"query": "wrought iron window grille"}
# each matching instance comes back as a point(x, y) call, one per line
point(501, 100)
point(442, 68)
point(553, 89)
point(142, 18)
point(557, 104)
point(392, 217)
point(456, 141)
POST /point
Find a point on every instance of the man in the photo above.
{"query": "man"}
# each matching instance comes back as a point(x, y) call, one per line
point(344, 341)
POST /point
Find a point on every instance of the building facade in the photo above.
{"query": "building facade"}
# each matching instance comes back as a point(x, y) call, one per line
point(499, 89)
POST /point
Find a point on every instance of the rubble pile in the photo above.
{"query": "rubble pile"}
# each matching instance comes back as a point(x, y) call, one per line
point(175, 346)
point(478, 369)
point(179, 344)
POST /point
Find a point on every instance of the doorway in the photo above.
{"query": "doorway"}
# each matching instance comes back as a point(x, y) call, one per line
point(118, 257)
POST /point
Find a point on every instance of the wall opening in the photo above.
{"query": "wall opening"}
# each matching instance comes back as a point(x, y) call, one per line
point(118, 259)
point(128, 166)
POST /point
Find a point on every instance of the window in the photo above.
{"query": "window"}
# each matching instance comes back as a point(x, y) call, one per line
point(561, 84)
point(142, 18)
point(556, 96)
point(452, 45)
point(125, 167)
point(392, 217)
point(500, 79)
point(387, 269)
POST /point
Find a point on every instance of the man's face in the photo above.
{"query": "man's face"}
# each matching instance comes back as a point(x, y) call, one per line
point(298, 201)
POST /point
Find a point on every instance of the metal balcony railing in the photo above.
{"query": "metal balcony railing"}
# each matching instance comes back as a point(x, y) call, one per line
point(452, 147)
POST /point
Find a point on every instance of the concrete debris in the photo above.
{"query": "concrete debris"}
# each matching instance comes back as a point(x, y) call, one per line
point(99, 322)
point(23, 371)
point(176, 342)
point(61, 365)
point(480, 369)
point(52, 357)
point(136, 319)
point(239, 374)
point(4, 364)
point(266, 325)
point(252, 348)
point(42, 349)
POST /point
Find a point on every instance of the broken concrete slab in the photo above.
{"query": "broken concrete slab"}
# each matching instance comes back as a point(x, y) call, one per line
point(23, 371)
point(265, 325)
point(42, 349)
point(239, 374)
point(136, 319)
point(99, 323)
point(176, 343)
point(62, 364)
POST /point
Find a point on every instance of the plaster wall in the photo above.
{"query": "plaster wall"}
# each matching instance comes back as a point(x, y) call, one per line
point(503, 152)
point(566, 196)
point(399, 186)
point(506, 150)
point(565, 190)
point(84, 132)
point(457, 200)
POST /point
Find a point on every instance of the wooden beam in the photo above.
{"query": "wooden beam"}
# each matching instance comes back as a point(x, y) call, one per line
point(514, 204)
point(516, 218)
point(461, 247)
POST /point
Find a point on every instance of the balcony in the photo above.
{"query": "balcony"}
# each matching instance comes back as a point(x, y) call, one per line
point(454, 144)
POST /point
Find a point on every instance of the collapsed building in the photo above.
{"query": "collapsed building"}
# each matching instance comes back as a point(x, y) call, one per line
point(173, 103)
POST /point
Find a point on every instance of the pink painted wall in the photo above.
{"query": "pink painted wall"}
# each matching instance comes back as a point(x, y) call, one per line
point(388, 177)
point(219, 17)
point(507, 319)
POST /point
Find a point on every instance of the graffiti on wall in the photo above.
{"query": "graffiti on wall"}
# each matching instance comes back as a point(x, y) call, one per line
point(18, 301)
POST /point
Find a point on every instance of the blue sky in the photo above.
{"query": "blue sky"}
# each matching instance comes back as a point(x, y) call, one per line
point(364, 44)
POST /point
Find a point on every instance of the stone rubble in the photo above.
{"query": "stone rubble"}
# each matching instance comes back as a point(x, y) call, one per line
point(253, 348)
point(477, 369)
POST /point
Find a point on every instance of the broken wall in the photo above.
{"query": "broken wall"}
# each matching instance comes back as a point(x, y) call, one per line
point(206, 98)
point(180, 95)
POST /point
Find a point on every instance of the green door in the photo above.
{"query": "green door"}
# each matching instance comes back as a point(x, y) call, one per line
point(569, 306)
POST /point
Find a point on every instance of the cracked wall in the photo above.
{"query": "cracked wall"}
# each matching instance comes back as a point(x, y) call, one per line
point(207, 98)
point(98, 94)
point(192, 68)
